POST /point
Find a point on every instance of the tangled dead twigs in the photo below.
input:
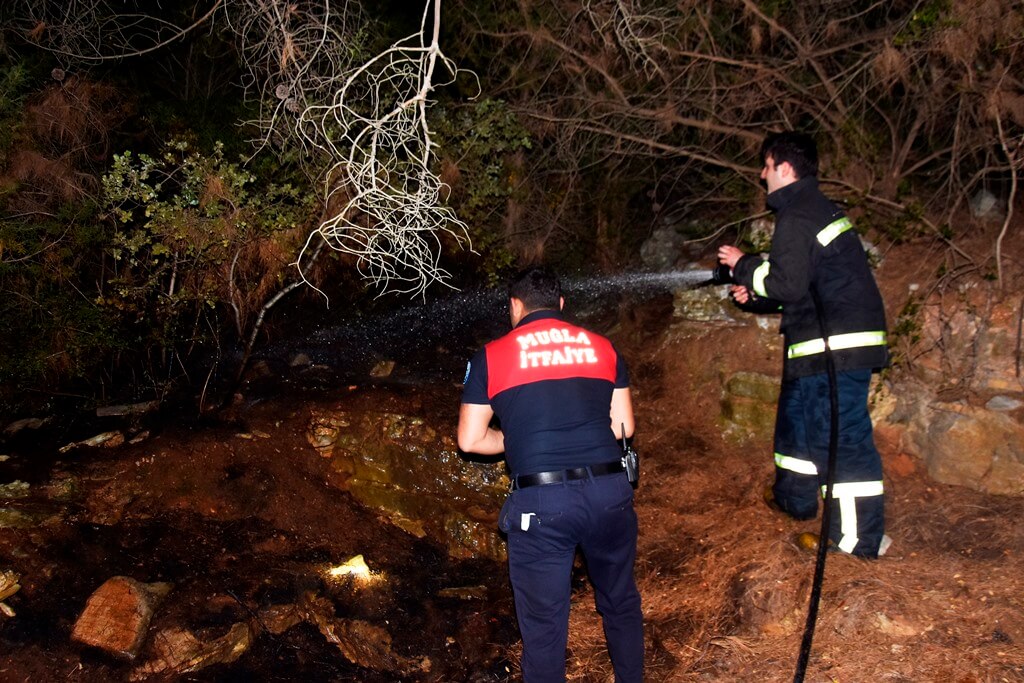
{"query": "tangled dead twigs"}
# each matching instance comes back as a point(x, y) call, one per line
point(296, 55)
point(94, 31)
point(392, 216)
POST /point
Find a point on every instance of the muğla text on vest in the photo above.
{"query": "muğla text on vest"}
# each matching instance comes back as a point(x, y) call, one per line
point(535, 348)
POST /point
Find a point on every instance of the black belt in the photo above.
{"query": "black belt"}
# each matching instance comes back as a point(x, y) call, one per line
point(558, 476)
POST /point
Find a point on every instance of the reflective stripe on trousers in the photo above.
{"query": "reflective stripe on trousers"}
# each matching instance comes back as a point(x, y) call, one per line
point(797, 465)
point(802, 432)
point(847, 494)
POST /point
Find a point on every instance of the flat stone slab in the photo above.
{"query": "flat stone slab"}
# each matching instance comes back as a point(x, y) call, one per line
point(117, 616)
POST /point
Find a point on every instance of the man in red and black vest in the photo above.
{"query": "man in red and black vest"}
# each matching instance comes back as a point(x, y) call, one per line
point(561, 395)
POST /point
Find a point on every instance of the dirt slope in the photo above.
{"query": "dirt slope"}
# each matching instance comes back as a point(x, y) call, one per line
point(726, 589)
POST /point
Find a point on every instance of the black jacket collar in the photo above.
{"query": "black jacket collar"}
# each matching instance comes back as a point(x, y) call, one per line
point(540, 315)
point(784, 196)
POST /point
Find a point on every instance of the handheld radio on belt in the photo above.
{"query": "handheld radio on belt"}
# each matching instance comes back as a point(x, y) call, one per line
point(630, 460)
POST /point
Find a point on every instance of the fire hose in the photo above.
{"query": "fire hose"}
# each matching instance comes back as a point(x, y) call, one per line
point(722, 275)
point(826, 514)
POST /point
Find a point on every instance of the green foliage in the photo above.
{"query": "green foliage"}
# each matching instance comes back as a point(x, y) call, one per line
point(480, 144)
point(184, 245)
point(47, 327)
point(905, 332)
point(187, 228)
point(50, 331)
point(13, 89)
point(929, 17)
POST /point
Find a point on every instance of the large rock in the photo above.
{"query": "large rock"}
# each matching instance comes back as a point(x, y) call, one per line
point(960, 412)
point(749, 403)
point(661, 250)
point(117, 616)
point(704, 304)
point(360, 642)
point(968, 341)
point(968, 445)
point(986, 206)
point(400, 466)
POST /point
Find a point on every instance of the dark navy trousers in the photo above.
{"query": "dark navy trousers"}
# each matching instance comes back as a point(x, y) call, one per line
point(545, 525)
point(801, 459)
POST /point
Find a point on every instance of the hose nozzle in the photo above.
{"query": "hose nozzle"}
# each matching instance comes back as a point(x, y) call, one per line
point(721, 275)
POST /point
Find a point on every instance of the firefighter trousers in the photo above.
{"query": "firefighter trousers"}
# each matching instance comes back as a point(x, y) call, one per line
point(802, 430)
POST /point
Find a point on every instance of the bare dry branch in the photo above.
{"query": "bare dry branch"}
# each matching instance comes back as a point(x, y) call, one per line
point(296, 54)
point(392, 217)
point(94, 31)
point(1013, 151)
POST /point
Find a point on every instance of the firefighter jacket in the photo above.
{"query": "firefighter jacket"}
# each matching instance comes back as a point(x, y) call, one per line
point(815, 249)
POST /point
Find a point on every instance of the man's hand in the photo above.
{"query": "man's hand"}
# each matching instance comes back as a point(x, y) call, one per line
point(729, 255)
point(740, 294)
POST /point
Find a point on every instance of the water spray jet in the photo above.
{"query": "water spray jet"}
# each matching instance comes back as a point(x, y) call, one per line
point(690, 278)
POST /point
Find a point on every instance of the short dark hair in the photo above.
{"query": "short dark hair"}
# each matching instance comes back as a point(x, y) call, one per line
point(798, 149)
point(537, 287)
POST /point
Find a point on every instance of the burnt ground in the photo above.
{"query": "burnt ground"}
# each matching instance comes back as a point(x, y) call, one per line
point(239, 514)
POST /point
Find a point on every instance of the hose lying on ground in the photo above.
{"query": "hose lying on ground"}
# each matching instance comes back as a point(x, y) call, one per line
point(826, 515)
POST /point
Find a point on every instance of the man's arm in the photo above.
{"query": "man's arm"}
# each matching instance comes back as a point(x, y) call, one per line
point(743, 266)
point(475, 433)
point(622, 413)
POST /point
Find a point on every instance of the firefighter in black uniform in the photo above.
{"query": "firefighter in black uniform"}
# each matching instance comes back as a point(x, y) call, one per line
point(816, 255)
point(561, 394)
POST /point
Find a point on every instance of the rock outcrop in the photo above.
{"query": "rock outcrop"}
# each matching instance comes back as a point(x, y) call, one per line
point(415, 477)
point(957, 403)
point(963, 444)
point(962, 407)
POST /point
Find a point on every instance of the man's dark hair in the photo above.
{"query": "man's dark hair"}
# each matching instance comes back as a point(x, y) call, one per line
point(796, 148)
point(537, 287)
